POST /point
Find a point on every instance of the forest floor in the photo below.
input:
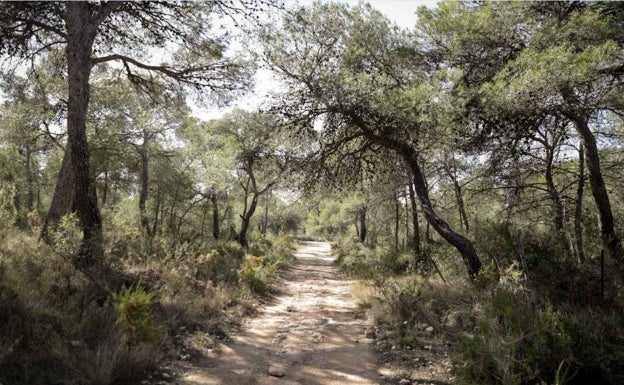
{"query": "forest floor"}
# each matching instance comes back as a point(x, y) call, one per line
point(311, 332)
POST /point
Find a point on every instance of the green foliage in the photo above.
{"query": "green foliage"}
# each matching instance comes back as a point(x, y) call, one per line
point(256, 272)
point(522, 340)
point(8, 213)
point(365, 261)
point(134, 306)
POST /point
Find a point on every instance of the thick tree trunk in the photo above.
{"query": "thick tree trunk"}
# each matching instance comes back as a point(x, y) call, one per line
point(245, 219)
point(80, 36)
point(609, 237)
point(578, 212)
point(63, 198)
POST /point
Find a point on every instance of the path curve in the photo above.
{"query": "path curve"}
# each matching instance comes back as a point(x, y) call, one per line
point(311, 332)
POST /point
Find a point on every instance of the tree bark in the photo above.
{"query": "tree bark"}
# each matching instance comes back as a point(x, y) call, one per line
point(609, 237)
point(409, 155)
point(30, 181)
point(451, 171)
point(554, 194)
point(397, 220)
point(265, 220)
point(463, 217)
point(578, 212)
point(81, 33)
point(461, 243)
point(363, 228)
point(105, 188)
point(416, 237)
point(157, 210)
point(216, 232)
point(144, 189)
point(245, 219)
point(63, 198)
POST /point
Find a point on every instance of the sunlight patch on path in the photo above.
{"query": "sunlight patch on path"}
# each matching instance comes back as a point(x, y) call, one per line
point(310, 331)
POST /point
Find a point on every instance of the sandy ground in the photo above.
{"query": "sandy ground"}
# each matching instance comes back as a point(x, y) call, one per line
point(310, 332)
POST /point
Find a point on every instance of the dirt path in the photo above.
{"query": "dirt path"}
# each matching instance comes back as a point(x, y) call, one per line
point(310, 333)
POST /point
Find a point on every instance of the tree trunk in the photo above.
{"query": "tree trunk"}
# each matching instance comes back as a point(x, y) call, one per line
point(157, 209)
point(397, 220)
point(80, 35)
point(452, 174)
point(363, 228)
point(463, 217)
point(265, 220)
point(30, 181)
point(144, 189)
point(578, 212)
point(461, 243)
point(609, 237)
point(558, 213)
point(416, 238)
point(105, 188)
point(245, 219)
point(63, 198)
point(216, 232)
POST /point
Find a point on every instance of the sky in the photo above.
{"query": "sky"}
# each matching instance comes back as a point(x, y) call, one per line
point(402, 12)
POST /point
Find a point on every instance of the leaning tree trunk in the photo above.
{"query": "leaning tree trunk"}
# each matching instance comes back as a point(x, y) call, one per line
point(409, 155)
point(461, 243)
point(609, 237)
point(80, 36)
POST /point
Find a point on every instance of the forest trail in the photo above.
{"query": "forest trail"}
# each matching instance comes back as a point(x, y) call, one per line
point(310, 332)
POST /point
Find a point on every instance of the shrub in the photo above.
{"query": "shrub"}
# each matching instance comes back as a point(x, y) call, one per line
point(256, 272)
point(134, 308)
point(281, 252)
point(367, 261)
point(522, 339)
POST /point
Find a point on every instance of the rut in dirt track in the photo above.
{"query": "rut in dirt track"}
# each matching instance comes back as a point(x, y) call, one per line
point(310, 333)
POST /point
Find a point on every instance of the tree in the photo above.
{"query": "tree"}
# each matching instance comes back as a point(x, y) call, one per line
point(95, 33)
point(557, 59)
point(364, 80)
point(260, 158)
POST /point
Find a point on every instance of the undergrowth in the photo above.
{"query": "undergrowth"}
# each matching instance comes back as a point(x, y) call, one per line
point(552, 330)
point(58, 326)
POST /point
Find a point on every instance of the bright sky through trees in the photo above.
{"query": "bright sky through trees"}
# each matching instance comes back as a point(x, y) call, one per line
point(402, 12)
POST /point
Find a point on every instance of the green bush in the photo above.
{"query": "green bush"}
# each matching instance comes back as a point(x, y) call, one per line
point(366, 261)
point(256, 272)
point(523, 340)
point(281, 252)
point(134, 308)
